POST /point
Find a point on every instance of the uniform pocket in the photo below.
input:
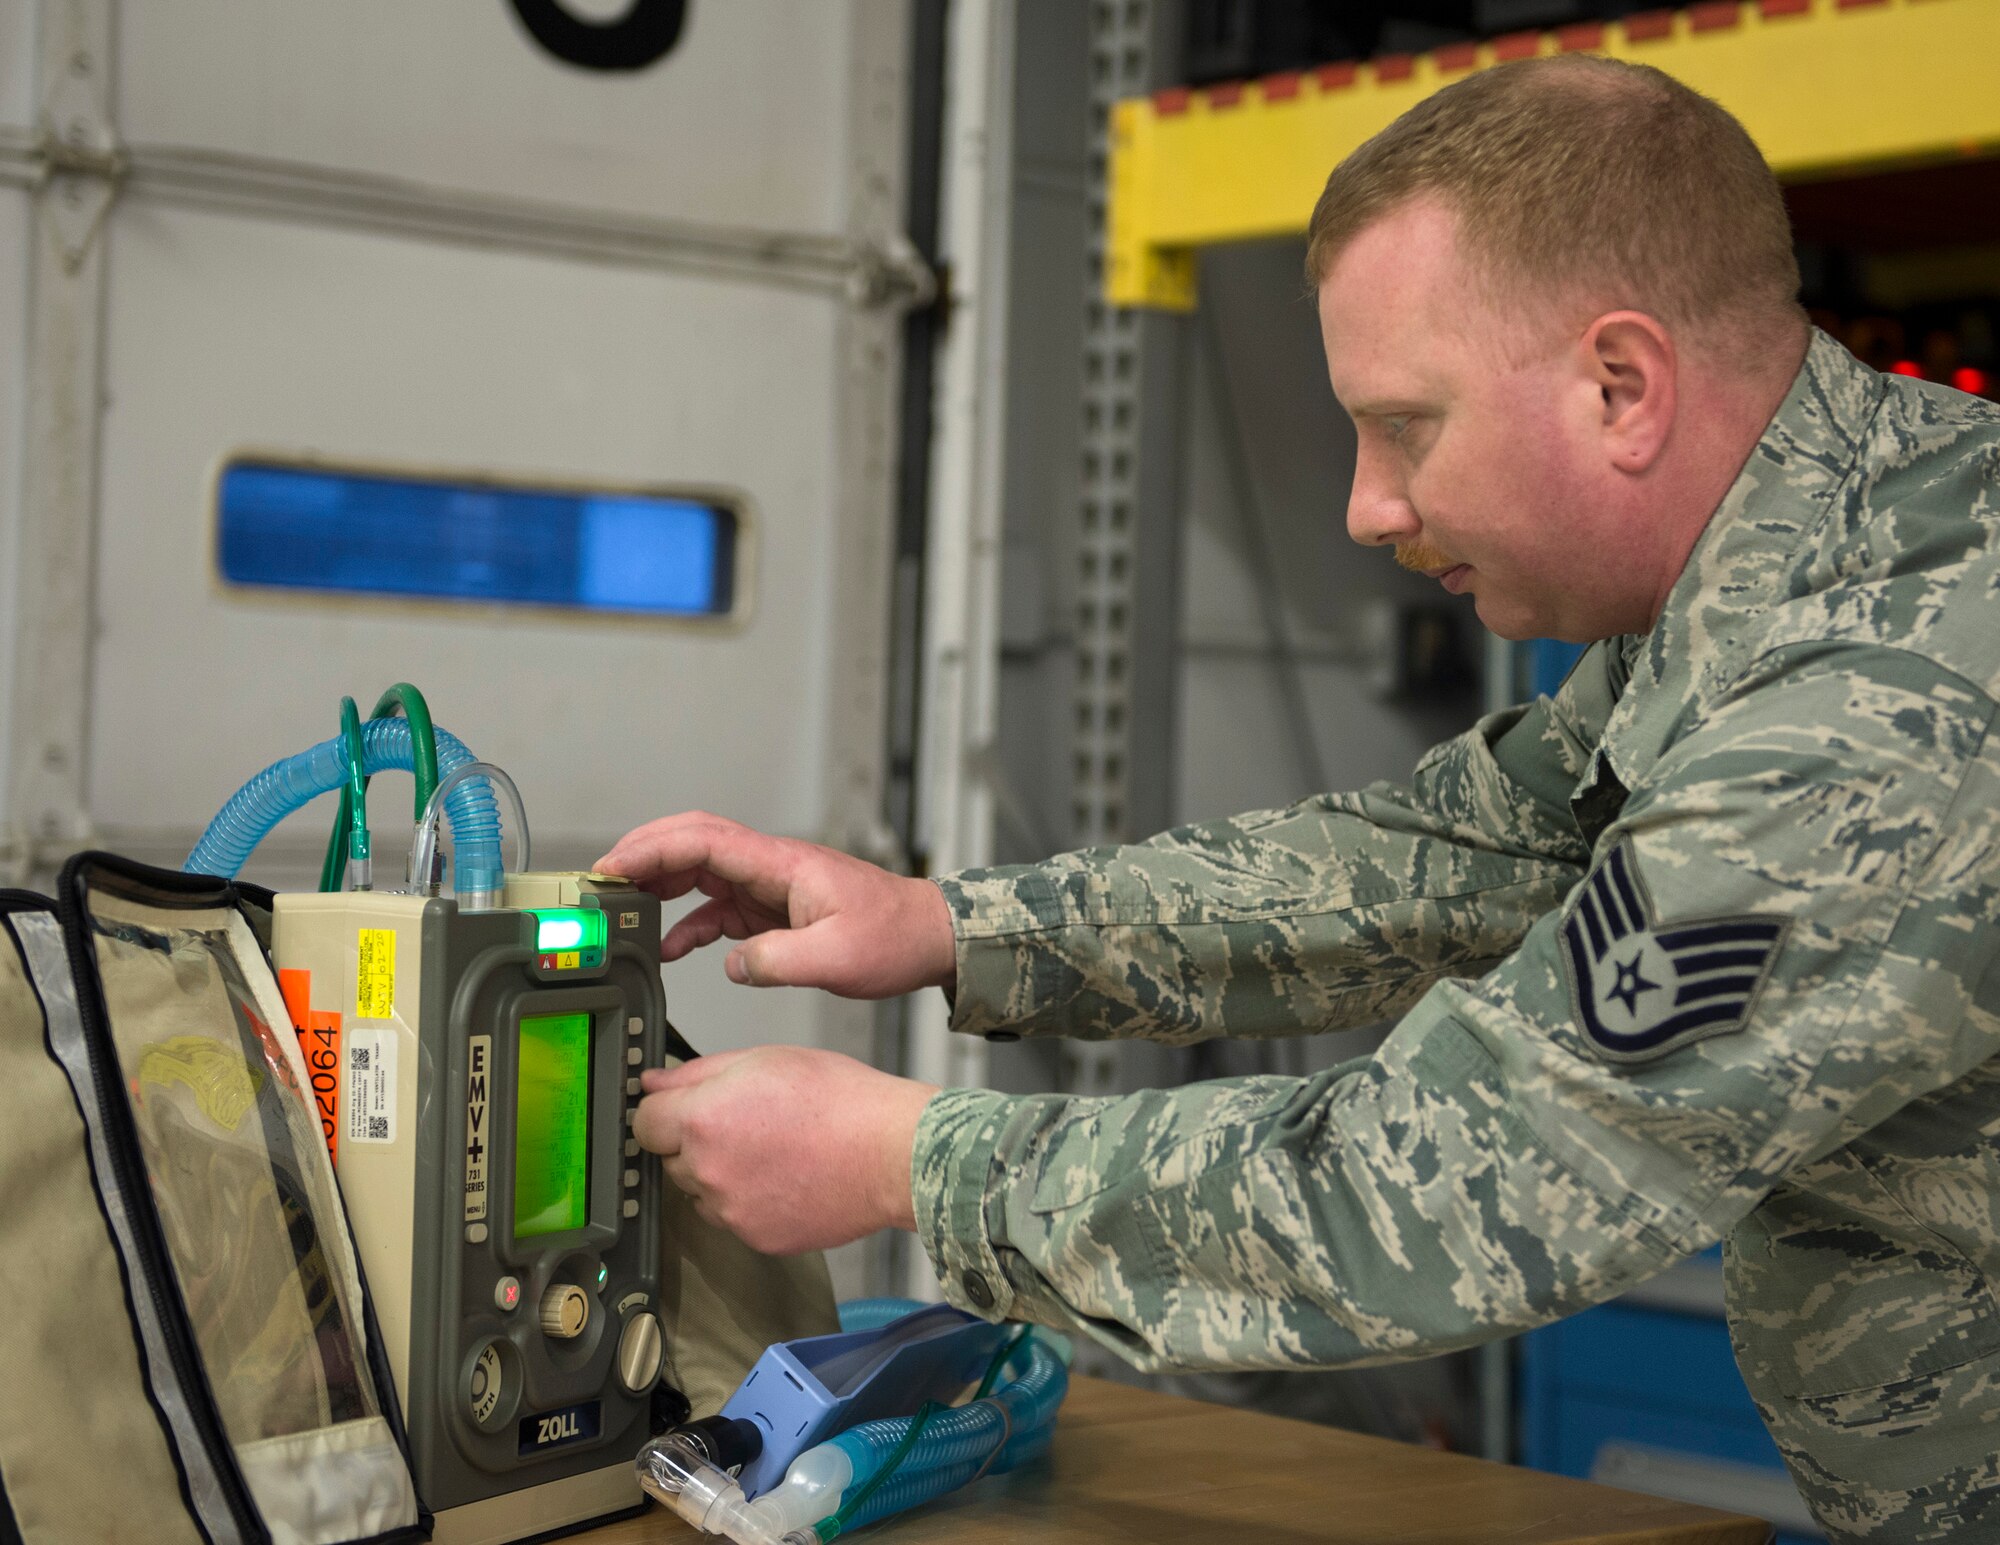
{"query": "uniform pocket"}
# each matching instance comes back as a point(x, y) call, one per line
point(1836, 1287)
point(1905, 1460)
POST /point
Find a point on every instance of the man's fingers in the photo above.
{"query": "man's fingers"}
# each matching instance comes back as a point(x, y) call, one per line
point(667, 856)
point(657, 1124)
point(708, 922)
point(682, 1176)
point(789, 957)
point(689, 1074)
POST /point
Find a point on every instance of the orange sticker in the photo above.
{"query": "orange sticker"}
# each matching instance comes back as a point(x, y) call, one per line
point(296, 985)
point(320, 1042)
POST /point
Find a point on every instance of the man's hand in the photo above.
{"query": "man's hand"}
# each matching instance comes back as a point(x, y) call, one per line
point(808, 916)
point(788, 1149)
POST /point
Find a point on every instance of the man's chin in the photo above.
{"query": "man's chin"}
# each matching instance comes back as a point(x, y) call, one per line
point(1503, 621)
point(1518, 626)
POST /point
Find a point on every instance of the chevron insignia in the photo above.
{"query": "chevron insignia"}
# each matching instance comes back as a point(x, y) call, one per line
point(1641, 990)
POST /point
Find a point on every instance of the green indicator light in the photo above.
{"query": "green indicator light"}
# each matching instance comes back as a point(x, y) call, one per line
point(603, 1275)
point(560, 930)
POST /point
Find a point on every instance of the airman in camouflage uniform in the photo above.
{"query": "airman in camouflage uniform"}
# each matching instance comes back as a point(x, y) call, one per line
point(1706, 947)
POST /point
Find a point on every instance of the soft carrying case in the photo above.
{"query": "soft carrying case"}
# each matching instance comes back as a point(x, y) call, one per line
point(187, 1351)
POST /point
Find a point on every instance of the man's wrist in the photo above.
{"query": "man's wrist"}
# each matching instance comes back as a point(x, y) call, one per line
point(938, 932)
point(896, 1203)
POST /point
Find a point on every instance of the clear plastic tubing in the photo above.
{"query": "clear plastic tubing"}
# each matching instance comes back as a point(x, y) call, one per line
point(286, 786)
point(678, 1473)
point(423, 846)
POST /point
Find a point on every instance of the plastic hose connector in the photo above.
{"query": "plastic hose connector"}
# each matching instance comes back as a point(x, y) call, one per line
point(295, 782)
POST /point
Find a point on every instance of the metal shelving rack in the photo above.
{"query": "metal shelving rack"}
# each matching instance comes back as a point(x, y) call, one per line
point(1828, 88)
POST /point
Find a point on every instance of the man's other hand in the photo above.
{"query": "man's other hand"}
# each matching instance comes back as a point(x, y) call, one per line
point(788, 1149)
point(808, 916)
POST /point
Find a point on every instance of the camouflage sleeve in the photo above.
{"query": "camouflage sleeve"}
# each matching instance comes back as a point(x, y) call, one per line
point(1786, 935)
point(1340, 910)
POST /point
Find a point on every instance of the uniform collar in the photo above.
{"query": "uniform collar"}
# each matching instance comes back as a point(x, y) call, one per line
point(1744, 556)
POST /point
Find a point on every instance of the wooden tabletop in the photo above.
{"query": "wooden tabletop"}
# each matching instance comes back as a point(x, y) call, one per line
point(1132, 1465)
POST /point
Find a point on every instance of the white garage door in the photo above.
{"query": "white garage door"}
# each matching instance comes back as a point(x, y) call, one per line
point(385, 235)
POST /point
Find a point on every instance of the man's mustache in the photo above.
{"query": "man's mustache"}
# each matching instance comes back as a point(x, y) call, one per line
point(1421, 557)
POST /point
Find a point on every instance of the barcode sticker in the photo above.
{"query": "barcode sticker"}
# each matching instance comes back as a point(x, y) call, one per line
point(371, 1086)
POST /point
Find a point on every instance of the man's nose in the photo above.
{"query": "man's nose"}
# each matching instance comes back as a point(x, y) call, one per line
point(1378, 511)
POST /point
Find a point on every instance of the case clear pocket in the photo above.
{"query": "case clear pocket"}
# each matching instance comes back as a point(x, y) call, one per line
point(219, 1100)
point(239, 1237)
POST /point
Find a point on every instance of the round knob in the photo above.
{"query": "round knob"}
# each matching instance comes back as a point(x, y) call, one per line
point(486, 1386)
point(639, 1353)
point(565, 1311)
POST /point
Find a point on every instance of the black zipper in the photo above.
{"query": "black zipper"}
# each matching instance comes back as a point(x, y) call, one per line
point(121, 1142)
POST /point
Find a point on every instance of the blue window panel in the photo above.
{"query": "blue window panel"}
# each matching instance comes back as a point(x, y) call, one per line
point(312, 528)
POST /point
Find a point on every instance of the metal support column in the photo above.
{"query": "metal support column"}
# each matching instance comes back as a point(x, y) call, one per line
point(78, 150)
point(962, 582)
point(1128, 599)
point(1128, 595)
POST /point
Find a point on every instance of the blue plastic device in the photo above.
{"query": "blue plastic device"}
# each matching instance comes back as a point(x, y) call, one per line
point(804, 1392)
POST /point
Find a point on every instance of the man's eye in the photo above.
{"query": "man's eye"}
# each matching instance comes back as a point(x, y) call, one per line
point(1396, 427)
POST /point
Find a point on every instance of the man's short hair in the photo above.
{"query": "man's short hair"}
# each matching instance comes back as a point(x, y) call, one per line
point(1586, 177)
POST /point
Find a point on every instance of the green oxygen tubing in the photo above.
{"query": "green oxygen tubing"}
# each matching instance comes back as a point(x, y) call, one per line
point(350, 826)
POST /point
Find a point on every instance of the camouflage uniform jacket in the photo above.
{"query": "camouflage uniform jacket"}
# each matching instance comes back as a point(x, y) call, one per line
point(1705, 947)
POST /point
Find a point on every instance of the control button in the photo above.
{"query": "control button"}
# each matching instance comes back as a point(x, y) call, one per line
point(631, 1087)
point(507, 1293)
point(977, 1289)
point(475, 1233)
point(565, 1311)
point(488, 1376)
point(634, 1055)
point(639, 1353)
point(631, 1116)
point(635, 1026)
point(631, 1147)
point(631, 1208)
point(631, 1177)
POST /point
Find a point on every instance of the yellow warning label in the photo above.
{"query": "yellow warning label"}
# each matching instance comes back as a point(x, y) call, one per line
point(375, 987)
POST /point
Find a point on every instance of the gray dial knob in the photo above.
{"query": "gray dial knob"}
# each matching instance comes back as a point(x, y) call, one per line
point(639, 1353)
point(565, 1311)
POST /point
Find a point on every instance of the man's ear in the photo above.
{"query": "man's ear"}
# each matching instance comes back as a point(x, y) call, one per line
point(1631, 359)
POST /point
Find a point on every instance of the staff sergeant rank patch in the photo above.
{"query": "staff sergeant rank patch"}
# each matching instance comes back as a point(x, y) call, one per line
point(1641, 990)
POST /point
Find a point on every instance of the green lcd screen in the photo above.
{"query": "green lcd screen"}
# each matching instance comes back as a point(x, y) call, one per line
point(552, 1126)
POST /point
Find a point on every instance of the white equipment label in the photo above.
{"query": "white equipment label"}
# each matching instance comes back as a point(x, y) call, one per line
point(477, 1088)
point(371, 1086)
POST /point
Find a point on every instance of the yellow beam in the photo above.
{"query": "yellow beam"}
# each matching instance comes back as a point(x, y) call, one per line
point(1825, 87)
